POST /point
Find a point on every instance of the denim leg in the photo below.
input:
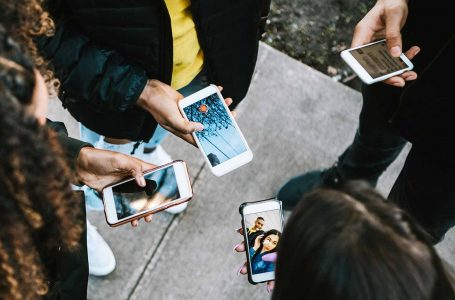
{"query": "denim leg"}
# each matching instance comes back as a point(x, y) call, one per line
point(88, 135)
point(368, 158)
point(376, 145)
point(198, 83)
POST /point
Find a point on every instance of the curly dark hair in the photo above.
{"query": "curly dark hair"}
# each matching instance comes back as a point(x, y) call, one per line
point(39, 213)
point(26, 20)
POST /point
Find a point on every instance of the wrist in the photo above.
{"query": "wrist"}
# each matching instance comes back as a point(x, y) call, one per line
point(145, 97)
point(82, 163)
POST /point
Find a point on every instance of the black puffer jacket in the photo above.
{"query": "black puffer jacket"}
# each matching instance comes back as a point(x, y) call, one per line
point(423, 111)
point(104, 52)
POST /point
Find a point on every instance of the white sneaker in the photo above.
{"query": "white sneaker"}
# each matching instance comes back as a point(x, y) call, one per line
point(160, 157)
point(101, 260)
point(177, 209)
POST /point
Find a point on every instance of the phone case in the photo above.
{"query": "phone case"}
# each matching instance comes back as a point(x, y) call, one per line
point(146, 213)
point(241, 207)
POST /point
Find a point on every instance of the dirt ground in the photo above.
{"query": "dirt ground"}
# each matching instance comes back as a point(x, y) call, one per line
point(316, 31)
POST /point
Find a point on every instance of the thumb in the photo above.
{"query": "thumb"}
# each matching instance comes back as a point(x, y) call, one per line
point(394, 18)
point(184, 126)
point(138, 171)
point(138, 175)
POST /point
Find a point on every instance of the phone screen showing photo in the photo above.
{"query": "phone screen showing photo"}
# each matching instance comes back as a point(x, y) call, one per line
point(263, 232)
point(161, 188)
point(377, 61)
point(220, 139)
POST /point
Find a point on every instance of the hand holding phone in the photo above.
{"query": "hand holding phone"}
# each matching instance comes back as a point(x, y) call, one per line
point(221, 142)
point(262, 224)
point(165, 186)
point(373, 63)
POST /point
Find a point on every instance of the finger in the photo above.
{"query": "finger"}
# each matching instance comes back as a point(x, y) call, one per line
point(409, 75)
point(234, 114)
point(363, 34)
point(228, 101)
point(394, 19)
point(242, 270)
point(148, 218)
point(240, 247)
point(270, 286)
point(220, 88)
point(395, 81)
point(184, 126)
point(412, 52)
point(134, 223)
point(240, 230)
point(187, 138)
point(138, 175)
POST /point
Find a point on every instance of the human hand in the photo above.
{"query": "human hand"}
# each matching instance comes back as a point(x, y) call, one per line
point(385, 20)
point(243, 268)
point(257, 241)
point(161, 101)
point(98, 168)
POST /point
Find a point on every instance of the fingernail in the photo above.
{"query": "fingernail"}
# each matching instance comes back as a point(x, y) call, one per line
point(235, 247)
point(199, 127)
point(240, 269)
point(395, 51)
point(397, 84)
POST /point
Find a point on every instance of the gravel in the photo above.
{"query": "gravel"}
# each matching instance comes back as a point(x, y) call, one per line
point(316, 31)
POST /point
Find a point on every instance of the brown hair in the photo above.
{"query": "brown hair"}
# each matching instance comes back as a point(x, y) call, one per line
point(26, 20)
point(351, 244)
point(38, 211)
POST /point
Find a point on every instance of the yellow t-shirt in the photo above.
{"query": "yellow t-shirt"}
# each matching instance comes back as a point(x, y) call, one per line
point(188, 57)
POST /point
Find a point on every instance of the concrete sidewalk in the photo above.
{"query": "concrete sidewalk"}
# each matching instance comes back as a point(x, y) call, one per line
point(295, 119)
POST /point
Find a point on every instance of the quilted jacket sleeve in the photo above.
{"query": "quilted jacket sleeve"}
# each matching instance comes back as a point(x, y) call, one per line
point(91, 73)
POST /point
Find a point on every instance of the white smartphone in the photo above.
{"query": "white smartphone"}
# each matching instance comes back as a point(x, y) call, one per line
point(262, 224)
point(221, 142)
point(166, 186)
point(373, 62)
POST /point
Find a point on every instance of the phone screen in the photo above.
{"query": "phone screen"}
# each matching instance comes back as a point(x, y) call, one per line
point(220, 139)
point(377, 61)
point(263, 232)
point(161, 188)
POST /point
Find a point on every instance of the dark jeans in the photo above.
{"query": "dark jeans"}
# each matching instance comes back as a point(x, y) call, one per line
point(425, 186)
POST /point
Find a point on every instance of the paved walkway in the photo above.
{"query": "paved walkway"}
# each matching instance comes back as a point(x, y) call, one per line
point(295, 119)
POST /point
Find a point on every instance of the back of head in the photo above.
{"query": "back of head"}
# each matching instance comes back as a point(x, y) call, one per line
point(352, 245)
point(38, 212)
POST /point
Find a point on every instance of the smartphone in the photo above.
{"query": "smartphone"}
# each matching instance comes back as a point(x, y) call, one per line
point(262, 224)
point(221, 142)
point(166, 186)
point(373, 62)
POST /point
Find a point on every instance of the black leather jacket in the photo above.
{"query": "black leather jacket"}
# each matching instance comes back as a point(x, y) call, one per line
point(105, 51)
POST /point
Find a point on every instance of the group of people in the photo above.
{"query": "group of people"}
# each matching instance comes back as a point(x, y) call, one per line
point(120, 68)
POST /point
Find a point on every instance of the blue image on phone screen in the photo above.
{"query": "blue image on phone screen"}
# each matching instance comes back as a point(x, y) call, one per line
point(220, 139)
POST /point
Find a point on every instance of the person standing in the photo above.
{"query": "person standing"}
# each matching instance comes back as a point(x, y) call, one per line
point(405, 109)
